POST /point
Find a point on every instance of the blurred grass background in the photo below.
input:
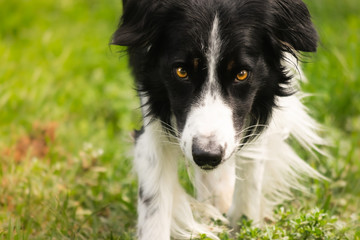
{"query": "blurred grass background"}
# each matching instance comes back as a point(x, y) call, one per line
point(67, 108)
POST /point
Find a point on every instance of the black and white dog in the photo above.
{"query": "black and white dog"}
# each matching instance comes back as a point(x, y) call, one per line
point(218, 83)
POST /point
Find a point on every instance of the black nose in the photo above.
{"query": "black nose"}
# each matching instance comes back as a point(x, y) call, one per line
point(208, 155)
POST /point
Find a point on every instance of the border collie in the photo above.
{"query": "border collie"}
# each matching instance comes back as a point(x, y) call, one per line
point(218, 82)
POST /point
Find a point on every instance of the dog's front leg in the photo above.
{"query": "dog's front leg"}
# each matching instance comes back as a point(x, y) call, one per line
point(247, 199)
point(217, 186)
point(156, 166)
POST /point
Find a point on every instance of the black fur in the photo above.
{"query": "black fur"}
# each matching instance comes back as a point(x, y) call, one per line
point(164, 34)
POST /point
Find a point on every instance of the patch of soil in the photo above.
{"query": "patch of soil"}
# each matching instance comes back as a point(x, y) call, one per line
point(34, 144)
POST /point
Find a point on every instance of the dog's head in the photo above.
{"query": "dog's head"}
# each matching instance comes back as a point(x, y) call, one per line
point(213, 65)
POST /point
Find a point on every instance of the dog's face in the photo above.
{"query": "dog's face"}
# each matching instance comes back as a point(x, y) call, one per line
point(213, 65)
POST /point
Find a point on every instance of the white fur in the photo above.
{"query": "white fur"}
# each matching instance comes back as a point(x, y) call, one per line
point(216, 187)
point(171, 209)
point(213, 53)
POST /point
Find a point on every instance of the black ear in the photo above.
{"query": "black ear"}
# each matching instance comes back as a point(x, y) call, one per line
point(139, 24)
point(291, 24)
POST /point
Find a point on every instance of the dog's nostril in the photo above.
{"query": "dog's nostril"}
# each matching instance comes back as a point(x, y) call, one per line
point(209, 155)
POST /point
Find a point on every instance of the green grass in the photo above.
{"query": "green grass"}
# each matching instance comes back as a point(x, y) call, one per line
point(67, 109)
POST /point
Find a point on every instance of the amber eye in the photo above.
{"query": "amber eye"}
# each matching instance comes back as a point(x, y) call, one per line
point(242, 75)
point(181, 72)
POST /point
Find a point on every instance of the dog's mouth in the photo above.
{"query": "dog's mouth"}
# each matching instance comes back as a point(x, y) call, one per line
point(208, 167)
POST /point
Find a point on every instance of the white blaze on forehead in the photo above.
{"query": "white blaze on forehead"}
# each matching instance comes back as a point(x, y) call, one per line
point(213, 53)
